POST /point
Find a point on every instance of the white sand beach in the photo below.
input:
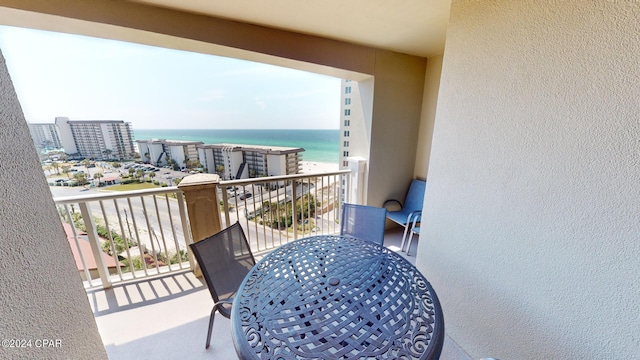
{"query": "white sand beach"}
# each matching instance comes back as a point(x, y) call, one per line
point(310, 167)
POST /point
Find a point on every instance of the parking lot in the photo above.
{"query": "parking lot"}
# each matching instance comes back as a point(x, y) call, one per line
point(162, 175)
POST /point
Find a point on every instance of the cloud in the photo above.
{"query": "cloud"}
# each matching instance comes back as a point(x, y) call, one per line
point(260, 103)
point(212, 95)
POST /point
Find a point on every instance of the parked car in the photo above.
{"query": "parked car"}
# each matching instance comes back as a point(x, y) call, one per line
point(245, 196)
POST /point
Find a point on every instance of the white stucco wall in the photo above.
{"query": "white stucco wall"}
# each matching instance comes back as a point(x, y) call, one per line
point(277, 165)
point(395, 124)
point(41, 294)
point(429, 103)
point(533, 202)
point(66, 136)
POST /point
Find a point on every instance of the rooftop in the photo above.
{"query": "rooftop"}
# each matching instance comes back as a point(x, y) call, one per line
point(267, 149)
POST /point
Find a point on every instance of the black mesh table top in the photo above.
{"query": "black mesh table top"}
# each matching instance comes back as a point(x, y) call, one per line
point(336, 297)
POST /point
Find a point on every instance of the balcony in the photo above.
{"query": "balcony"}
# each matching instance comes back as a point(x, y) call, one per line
point(166, 316)
point(159, 308)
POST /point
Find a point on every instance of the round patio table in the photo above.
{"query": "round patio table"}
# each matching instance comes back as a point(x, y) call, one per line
point(336, 297)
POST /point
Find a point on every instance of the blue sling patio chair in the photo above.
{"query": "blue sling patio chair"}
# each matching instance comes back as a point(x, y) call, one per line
point(415, 230)
point(409, 209)
point(363, 222)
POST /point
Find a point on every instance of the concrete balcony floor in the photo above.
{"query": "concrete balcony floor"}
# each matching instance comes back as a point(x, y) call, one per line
point(166, 317)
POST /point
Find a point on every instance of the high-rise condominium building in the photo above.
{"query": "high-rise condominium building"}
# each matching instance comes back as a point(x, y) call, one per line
point(45, 136)
point(98, 139)
point(354, 117)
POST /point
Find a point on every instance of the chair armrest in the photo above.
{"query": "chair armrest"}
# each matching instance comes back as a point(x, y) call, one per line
point(224, 301)
point(416, 221)
point(413, 215)
point(384, 205)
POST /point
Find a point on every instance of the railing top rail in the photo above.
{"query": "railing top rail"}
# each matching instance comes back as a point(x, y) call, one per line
point(283, 177)
point(114, 195)
point(172, 189)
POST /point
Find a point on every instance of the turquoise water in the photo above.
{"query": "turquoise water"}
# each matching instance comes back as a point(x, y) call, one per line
point(319, 145)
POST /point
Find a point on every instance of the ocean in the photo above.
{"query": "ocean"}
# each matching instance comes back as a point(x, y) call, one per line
point(320, 145)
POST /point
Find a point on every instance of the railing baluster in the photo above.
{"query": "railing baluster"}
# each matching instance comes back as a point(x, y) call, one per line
point(125, 238)
point(164, 241)
point(138, 242)
point(87, 274)
point(186, 230)
point(294, 208)
point(337, 202)
point(150, 231)
point(112, 243)
point(94, 241)
point(255, 223)
point(173, 232)
point(225, 205)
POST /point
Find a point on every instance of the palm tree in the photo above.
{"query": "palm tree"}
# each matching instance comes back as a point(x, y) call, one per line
point(80, 178)
point(98, 176)
point(172, 163)
point(65, 170)
point(56, 167)
point(151, 175)
point(108, 153)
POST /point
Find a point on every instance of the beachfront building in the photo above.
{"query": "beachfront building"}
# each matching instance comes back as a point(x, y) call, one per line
point(45, 136)
point(234, 161)
point(96, 139)
point(162, 152)
point(354, 137)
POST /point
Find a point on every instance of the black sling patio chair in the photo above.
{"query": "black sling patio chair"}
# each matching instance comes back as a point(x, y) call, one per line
point(225, 259)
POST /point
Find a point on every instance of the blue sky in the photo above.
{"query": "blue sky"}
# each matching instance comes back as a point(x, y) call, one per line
point(86, 78)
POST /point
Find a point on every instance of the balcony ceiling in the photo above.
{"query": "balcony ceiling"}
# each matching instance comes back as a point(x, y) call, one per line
point(415, 27)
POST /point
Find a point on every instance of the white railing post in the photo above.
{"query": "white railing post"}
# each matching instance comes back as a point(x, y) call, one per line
point(294, 210)
point(94, 241)
point(357, 194)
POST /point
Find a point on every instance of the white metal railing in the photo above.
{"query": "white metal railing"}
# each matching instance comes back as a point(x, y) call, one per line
point(143, 232)
point(146, 232)
point(280, 209)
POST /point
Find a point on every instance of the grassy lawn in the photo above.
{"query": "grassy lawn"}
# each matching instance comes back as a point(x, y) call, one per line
point(132, 186)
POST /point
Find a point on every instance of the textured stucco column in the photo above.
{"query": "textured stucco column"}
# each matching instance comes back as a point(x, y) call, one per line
point(200, 192)
point(533, 199)
point(45, 313)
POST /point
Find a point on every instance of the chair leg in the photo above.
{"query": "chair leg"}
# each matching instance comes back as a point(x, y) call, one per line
point(404, 236)
point(211, 318)
point(409, 243)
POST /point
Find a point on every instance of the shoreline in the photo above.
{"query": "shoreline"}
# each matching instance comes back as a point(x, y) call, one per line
point(312, 167)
